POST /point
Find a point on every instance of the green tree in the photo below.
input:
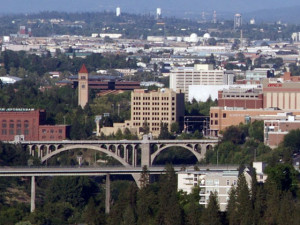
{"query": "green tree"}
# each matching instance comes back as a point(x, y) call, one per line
point(292, 140)
point(243, 201)
point(256, 130)
point(211, 214)
point(169, 211)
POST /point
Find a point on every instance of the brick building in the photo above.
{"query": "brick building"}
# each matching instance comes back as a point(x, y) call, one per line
point(277, 127)
point(250, 98)
point(30, 123)
point(223, 117)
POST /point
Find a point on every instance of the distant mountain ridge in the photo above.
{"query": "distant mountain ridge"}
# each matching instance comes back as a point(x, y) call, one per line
point(266, 10)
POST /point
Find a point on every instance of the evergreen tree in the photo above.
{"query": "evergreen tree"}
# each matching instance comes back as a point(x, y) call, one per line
point(169, 212)
point(259, 206)
point(243, 201)
point(232, 207)
point(286, 213)
point(272, 203)
point(147, 204)
point(211, 214)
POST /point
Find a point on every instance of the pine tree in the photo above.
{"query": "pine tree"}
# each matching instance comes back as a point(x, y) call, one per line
point(243, 201)
point(272, 203)
point(211, 215)
point(232, 207)
point(259, 206)
point(286, 213)
point(169, 211)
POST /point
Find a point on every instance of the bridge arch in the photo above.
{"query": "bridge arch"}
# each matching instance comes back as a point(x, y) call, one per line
point(190, 148)
point(93, 147)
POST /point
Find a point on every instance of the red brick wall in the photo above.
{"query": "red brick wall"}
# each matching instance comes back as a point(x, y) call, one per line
point(53, 132)
point(19, 123)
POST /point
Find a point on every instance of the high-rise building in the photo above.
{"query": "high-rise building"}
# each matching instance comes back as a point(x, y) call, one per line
point(156, 107)
point(201, 74)
point(158, 13)
point(215, 17)
point(83, 86)
point(237, 23)
point(118, 11)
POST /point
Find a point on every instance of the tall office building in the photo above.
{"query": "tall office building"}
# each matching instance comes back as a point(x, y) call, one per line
point(118, 11)
point(156, 107)
point(83, 86)
point(215, 17)
point(237, 23)
point(158, 13)
point(201, 74)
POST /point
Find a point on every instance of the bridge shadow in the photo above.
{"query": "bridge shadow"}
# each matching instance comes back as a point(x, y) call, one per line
point(175, 156)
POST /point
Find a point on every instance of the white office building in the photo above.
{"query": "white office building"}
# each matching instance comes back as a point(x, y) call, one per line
point(201, 74)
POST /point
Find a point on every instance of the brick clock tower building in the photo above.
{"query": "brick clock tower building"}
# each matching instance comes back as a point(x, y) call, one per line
point(83, 86)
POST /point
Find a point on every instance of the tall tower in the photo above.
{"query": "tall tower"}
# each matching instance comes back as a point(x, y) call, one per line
point(158, 13)
point(215, 17)
point(83, 86)
point(237, 23)
point(118, 11)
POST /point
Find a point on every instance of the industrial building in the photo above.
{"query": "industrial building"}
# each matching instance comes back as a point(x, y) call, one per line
point(29, 125)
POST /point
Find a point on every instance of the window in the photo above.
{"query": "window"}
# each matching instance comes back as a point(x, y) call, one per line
point(82, 77)
point(4, 132)
point(216, 122)
point(4, 125)
point(26, 132)
point(11, 124)
point(60, 131)
point(19, 125)
point(83, 86)
point(224, 115)
point(26, 124)
point(227, 182)
point(216, 115)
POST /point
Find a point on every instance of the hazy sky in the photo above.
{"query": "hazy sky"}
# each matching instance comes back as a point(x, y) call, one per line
point(142, 6)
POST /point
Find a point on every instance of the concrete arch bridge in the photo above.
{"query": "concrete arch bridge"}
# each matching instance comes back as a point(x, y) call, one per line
point(125, 151)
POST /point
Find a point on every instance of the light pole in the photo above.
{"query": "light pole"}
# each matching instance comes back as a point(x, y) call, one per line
point(118, 109)
point(113, 106)
point(187, 126)
point(217, 157)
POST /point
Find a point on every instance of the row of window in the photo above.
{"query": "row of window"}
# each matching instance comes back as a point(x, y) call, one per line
point(154, 98)
point(153, 118)
point(51, 137)
point(13, 132)
point(44, 131)
point(12, 123)
point(212, 122)
point(217, 115)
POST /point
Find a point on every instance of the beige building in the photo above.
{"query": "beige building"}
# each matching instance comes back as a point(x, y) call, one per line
point(201, 74)
point(216, 179)
point(281, 94)
point(150, 109)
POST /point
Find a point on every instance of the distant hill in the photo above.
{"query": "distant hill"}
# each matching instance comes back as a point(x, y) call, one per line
point(261, 10)
point(288, 14)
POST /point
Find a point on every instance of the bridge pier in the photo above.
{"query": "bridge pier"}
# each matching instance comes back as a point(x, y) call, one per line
point(107, 193)
point(32, 197)
point(145, 154)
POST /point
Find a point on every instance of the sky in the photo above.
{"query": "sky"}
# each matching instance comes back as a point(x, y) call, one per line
point(170, 7)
